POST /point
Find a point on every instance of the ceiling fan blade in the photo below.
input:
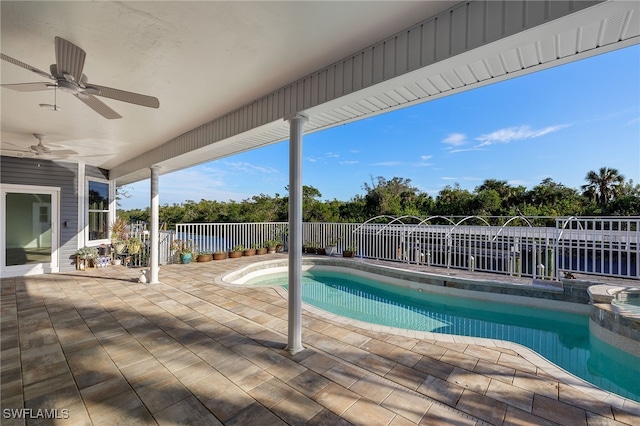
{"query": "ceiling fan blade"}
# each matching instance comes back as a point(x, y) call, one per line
point(9, 143)
point(124, 96)
point(26, 66)
point(21, 154)
point(28, 87)
point(65, 152)
point(69, 58)
point(98, 106)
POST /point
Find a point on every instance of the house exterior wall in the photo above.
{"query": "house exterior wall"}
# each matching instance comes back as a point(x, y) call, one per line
point(37, 172)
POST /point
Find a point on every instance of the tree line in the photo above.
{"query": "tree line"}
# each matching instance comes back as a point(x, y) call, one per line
point(606, 192)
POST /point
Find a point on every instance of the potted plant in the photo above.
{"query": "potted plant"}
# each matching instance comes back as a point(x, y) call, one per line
point(219, 255)
point(331, 247)
point(271, 245)
point(86, 257)
point(119, 235)
point(184, 249)
point(308, 247)
point(249, 251)
point(236, 251)
point(280, 236)
point(350, 251)
point(259, 249)
point(204, 256)
point(134, 244)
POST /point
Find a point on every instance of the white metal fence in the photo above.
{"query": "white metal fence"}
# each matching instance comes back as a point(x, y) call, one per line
point(603, 246)
point(140, 230)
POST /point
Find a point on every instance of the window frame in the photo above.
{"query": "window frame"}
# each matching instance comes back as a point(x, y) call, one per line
point(110, 211)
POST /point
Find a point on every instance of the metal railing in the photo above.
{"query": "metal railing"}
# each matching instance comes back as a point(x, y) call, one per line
point(600, 246)
point(140, 230)
point(214, 237)
point(603, 246)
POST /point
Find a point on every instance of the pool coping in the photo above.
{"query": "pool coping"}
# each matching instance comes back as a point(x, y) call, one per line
point(528, 354)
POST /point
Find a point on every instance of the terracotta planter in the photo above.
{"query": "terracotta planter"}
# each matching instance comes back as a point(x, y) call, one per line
point(234, 254)
point(220, 256)
point(347, 253)
point(261, 250)
point(204, 258)
point(321, 251)
point(249, 252)
point(272, 249)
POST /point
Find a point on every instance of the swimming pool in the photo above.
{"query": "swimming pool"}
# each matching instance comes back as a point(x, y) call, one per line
point(562, 338)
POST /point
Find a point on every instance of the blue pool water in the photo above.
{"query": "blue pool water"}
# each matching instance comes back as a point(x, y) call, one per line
point(563, 338)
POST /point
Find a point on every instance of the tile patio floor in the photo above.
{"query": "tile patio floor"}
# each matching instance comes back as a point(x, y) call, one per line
point(111, 351)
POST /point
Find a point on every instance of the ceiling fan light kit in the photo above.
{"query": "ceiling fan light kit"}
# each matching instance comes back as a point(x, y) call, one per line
point(53, 107)
point(68, 77)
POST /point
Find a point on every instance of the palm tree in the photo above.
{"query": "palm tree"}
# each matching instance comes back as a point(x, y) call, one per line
point(603, 185)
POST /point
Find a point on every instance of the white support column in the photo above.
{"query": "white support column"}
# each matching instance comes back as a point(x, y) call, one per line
point(155, 225)
point(295, 233)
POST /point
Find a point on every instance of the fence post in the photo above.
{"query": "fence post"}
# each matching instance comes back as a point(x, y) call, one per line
point(534, 258)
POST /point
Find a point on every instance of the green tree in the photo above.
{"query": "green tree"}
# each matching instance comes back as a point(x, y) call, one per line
point(603, 185)
point(487, 203)
point(554, 199)
point(510, 196)
point(454, 201)
point(393, 197)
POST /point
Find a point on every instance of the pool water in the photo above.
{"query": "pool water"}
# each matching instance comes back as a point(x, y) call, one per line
point(562, 338)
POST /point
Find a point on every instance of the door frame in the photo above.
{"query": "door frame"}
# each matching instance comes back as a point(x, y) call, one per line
point(32, 268)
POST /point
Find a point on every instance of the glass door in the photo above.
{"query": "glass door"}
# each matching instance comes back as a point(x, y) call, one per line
point(30, 243)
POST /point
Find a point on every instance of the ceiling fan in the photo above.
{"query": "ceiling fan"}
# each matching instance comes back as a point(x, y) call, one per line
point(67, 76)
point(41, 150)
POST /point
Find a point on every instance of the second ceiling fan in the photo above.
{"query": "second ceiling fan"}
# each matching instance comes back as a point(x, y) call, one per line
point(66, 75)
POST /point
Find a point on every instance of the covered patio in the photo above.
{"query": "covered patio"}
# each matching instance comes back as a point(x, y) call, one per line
point(97, 347)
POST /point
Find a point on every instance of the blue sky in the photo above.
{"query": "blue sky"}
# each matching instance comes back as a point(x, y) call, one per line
point(558, 123)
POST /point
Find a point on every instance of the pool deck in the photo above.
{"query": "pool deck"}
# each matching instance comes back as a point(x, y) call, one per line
point(100, 348)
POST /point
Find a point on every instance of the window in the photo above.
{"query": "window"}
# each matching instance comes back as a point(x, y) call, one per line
point(98, 210)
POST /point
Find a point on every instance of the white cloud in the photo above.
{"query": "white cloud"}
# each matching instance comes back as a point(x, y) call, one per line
point(465, 178)
point(194, 184)
point(349, 162)
point(510, 134)
point(426, 157)
point(387, 163)
point(244, 167)
point(453, 151)
point(332, 155)
point(455, 139)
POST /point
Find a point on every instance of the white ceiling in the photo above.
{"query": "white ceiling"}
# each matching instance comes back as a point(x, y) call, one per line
point(200, 59)
point(205, 59)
